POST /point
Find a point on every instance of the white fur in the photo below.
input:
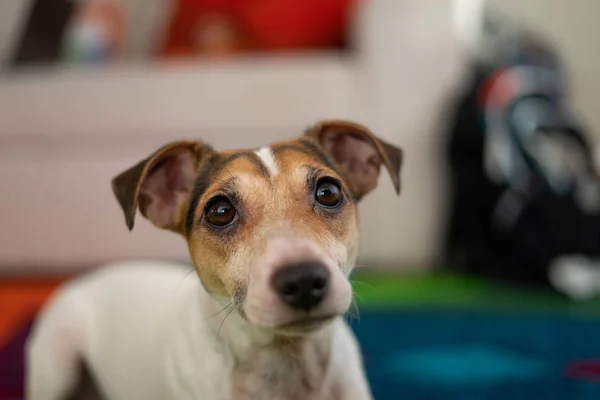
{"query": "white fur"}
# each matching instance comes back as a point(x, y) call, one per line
point(148, 331)
point(266, 156)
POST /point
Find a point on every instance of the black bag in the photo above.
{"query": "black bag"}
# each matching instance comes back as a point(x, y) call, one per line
point(523, 186)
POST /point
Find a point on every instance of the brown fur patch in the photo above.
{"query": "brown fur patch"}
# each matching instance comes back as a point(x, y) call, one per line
point(264, 203)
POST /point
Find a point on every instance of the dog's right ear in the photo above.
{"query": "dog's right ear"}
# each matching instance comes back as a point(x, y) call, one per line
point(161, 184)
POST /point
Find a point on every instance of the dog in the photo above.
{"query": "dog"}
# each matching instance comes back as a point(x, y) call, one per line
point(273, 236)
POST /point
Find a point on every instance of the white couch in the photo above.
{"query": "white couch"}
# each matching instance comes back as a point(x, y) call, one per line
point(65, 133)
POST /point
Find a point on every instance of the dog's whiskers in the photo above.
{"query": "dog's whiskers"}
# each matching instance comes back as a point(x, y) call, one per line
point(219, 312)
point(362, 266)
point(230, 308)
point(365, 284)
point(356, 296)
point(187, 274)
point(354, 312)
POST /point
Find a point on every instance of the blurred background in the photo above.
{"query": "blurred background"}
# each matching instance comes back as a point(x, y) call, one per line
point(480, 281)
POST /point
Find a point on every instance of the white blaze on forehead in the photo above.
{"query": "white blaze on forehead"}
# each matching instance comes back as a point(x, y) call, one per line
point(266, 157)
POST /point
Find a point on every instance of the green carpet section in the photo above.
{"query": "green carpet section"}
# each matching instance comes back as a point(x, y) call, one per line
point(439, 290)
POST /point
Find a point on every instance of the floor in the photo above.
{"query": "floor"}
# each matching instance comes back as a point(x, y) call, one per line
point(426, 337)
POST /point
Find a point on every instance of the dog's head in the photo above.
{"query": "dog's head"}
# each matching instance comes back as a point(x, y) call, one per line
point(273, 230)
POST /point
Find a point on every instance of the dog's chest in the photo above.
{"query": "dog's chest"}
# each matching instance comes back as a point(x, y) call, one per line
point(285, 373)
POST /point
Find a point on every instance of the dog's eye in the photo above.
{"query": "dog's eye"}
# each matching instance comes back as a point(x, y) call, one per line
point(328, 193)
point(220, 213)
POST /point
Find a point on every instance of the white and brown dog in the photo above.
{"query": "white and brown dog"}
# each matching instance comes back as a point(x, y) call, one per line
point(273, 236)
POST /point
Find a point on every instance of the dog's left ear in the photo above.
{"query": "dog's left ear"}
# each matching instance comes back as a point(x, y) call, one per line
point(359, 154)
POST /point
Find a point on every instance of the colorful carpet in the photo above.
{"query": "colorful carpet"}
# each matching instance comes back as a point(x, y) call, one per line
point(434, 337)
point(20, 300)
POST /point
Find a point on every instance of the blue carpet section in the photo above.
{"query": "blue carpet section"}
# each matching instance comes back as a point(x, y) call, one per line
point(473, 355)
point(463, 366)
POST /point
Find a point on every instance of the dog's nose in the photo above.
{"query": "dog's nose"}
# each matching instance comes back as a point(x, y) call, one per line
point(302, 285)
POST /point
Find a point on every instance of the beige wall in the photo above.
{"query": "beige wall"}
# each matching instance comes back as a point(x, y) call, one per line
point(58, 162)
point(106, 119)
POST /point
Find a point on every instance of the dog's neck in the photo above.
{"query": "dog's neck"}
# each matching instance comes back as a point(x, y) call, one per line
point(287, 366)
